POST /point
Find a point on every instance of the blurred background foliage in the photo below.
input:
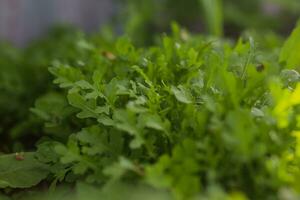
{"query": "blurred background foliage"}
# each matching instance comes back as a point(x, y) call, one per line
point(22, 21)
point(142, 19)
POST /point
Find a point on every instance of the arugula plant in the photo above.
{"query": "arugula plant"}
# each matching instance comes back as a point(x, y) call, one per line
point(191, 117)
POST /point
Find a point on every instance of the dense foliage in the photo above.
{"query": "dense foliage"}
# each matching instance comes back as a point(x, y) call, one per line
point(192, 117)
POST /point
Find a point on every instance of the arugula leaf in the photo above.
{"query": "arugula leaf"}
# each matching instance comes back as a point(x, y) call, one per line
point(182, 94)
point(290, 50)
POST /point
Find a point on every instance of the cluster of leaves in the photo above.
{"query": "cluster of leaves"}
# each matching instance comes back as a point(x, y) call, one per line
point(189, 118)
point(24, 77)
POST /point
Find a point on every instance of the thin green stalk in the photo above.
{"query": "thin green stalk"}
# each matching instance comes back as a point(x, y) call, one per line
point(213, 13)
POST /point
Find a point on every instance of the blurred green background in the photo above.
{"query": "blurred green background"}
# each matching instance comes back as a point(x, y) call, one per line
point(23, 21)
point(218, 17)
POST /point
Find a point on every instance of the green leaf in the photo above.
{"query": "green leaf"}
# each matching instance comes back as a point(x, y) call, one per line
point(66, 76)
point(118, 169)
point(95, 140)
point(126, 121)
point(51, 107)
point(153, 121)
point(182, 94)
point(177, 171)
point(88, 107)
point(290, 50)
point(23, 173)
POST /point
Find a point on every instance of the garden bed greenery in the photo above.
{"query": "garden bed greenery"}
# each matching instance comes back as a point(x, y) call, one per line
point(189, 117)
